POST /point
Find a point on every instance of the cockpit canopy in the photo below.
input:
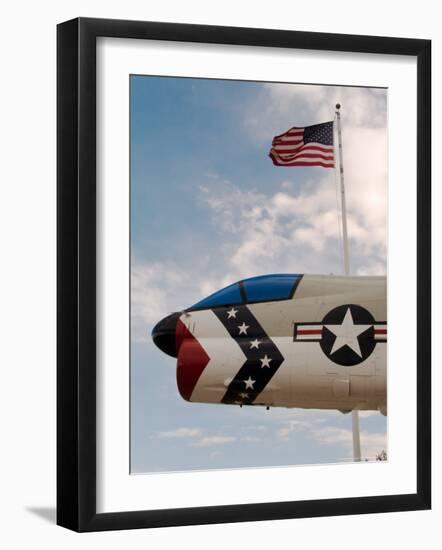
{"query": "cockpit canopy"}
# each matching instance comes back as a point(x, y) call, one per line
point(265, 288)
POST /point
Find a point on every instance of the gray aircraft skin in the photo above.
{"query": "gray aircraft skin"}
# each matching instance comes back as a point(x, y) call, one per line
point(285, 340)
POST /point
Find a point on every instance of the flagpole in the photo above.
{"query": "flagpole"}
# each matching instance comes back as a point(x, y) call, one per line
point(354, 413)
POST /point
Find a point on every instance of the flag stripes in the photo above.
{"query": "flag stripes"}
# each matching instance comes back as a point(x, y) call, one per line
point(308, 146)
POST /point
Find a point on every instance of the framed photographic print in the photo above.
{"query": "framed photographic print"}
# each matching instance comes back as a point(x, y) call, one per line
point(243, 274)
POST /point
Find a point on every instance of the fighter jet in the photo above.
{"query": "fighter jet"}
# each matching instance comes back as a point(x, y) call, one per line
point(284, 340)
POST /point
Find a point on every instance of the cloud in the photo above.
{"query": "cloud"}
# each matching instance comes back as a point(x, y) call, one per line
point(332, 435)
point(366, 414)
point(313, 211)
point(320, 427)
point(213, 440)
point(291, 426)
point(159, 288)
point(372, 443)
point(148, 283)
point(259, 428)
point(291, 227)
point(298, 231)
point(280, 106)
point(180, 433)
point(206, 440)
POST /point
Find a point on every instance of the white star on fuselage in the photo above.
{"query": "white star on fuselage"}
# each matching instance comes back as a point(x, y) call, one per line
point(249, 383)
point(243, 328)
point(347, 334)
point(232, 313)
point(265, 361)
point(255, 344)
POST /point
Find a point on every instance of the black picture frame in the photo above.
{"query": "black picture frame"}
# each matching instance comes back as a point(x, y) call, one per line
point(76, 274)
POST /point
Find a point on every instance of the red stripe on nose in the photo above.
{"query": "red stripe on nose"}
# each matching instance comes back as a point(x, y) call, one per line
point(181, 333)
point(192, 360)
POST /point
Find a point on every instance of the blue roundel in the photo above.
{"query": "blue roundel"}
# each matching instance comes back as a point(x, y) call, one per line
point(265, 288)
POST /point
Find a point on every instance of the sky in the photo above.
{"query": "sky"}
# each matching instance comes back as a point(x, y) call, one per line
point(208, 208)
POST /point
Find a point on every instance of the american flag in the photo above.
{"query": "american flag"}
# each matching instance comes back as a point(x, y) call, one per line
point(308, 146)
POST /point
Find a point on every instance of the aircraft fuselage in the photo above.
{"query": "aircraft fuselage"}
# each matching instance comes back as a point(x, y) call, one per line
point(320, 344)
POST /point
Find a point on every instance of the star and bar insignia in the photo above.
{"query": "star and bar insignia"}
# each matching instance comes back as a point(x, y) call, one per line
point(347, 335)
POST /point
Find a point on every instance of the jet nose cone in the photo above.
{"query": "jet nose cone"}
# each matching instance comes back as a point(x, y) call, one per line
point(164, 334)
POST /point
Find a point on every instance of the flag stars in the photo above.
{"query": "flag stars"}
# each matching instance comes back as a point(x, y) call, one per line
point(244, 395)
point(286, 151)
point(243, 328)
point(232, 313)
point(255, 343)
point(265, 361)
point(249, 383)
